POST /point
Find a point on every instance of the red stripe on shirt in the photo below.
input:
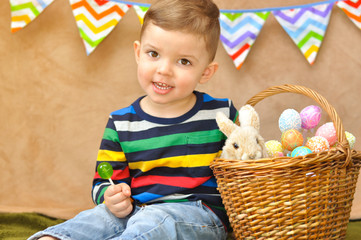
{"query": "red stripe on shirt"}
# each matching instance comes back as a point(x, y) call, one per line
point(185, 182)
point(117, 174)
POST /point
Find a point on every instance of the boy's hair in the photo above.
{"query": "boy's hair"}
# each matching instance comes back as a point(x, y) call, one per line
point(200, 17)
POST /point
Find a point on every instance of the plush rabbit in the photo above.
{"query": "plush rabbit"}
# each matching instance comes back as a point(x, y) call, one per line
point(243, 142)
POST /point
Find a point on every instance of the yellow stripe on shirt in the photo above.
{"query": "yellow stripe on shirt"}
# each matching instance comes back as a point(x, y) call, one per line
point(106, 155)
point(200, 160)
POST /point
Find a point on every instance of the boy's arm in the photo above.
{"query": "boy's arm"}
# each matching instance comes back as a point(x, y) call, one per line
point(110, 151)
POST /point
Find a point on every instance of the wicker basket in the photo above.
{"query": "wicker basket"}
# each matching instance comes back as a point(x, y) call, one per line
point(307, 197)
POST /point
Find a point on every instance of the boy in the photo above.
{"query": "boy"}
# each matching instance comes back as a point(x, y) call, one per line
point(160, 147)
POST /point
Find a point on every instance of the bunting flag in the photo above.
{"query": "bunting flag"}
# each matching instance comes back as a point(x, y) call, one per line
point(24, 11)
point(352, 8)
point(140, 10)
point(306, 26)
point(96, 19)
point(238, 33)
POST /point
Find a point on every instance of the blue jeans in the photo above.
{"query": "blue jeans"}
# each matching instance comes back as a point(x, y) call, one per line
point(187, 220)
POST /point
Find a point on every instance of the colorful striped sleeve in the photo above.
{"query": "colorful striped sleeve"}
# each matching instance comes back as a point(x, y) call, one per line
point(110, 151)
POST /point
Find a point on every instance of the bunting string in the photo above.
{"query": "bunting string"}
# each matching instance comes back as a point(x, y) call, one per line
point(305, 24)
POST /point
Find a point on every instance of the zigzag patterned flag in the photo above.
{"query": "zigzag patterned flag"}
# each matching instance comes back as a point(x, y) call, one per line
point(352, 8)
point(306, 26)
point(140, 10)
point(238, 33)
point(24, 11)
point(96, 19)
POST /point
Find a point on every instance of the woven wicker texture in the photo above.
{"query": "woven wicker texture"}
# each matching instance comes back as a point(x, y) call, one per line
point(307, 197)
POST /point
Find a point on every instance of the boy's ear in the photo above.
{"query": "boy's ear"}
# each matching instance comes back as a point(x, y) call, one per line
point(209, 72)
point(136, 46)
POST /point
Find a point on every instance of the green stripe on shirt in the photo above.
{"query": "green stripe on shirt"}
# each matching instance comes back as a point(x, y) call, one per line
point(172, 140)
point(111, 134)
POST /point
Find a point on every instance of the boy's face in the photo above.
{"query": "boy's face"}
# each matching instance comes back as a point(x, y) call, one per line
point(171, 64)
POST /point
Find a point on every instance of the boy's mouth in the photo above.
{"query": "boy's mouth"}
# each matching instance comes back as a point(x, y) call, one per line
point(161, 86)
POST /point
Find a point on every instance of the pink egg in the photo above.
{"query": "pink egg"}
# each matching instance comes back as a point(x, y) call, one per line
point(310, 116)
point(318, 144)
point(328, 131)
point(279, 154)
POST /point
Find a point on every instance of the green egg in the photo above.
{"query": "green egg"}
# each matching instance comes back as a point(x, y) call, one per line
point(105, 170)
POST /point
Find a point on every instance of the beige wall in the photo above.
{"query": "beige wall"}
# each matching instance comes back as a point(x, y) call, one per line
point(55, 100)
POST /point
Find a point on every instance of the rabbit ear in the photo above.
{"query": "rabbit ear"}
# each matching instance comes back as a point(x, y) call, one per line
point(261, 142)
point(249, 117)
point(225, 124)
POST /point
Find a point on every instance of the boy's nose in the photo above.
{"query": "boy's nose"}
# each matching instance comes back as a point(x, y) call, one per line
point(164, 67)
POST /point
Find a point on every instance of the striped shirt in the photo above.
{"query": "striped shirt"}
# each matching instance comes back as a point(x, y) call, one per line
point(165, 159)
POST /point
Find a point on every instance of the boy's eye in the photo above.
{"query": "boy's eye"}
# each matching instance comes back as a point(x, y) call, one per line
point(153, 54)
point(184, 61)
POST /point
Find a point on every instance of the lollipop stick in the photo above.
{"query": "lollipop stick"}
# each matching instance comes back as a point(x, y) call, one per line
point(111, 181)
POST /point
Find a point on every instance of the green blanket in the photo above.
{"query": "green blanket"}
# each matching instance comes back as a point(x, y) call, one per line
point(19, 226)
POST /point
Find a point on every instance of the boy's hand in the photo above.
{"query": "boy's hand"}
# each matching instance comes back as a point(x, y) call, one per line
point(118, 201)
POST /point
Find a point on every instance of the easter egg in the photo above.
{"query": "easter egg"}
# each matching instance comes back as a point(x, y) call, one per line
point(300, 151)
point(327, 131)
point(318, 144)
point(310, 116)
point(289, 119)
point(278, 154)
point(351, 139)
point(273, 147)
point(291, 139)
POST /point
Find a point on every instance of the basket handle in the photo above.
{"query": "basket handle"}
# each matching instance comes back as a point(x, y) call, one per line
point(287, 88)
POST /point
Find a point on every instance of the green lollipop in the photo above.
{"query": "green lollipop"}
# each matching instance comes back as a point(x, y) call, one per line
point(105, 171)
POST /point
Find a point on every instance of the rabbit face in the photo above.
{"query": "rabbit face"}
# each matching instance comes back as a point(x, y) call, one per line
point(244, 143)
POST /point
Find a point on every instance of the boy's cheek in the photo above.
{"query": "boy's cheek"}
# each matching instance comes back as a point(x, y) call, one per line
point(144, 69)
point(144, 76)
